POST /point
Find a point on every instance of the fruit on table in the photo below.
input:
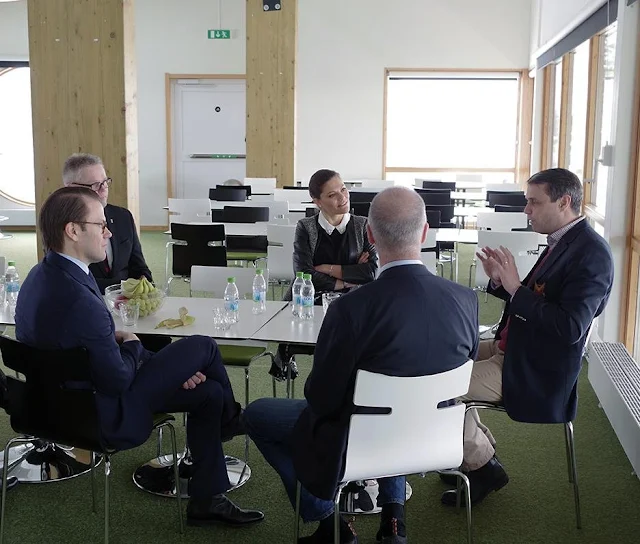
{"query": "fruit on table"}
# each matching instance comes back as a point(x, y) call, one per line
point(185, 319)
point(145, 292)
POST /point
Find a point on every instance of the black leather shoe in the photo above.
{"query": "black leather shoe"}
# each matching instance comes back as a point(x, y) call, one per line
point(12, 481)
point(490, 477)
point(233, 428)
point(449, 479)
point(392, 531)
point(324, 533)
point(220, 510)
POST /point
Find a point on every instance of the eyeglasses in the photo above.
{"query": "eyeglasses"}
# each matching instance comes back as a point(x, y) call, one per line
point(95, 186)
point(103, 224)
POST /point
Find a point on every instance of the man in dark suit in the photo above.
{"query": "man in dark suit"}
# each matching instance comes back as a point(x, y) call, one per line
point(533, 363)
point(60, 307)
point(124, 255)
point(407, 322)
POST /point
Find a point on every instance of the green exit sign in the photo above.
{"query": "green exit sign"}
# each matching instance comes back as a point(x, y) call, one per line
point(219, 34)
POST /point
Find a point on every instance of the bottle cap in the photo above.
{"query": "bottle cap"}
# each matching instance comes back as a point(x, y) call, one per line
point(307, 276)
point(11, 263)
point(299, 274)
point(231, 279)
point(259, 271)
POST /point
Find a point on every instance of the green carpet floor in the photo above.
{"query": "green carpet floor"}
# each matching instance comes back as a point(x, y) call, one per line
point(536, 506)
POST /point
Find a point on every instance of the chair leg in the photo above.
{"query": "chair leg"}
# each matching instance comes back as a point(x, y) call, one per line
point(574, 471)
point(159, 443)
point(176, 472)
point(93, 481)
point(5, 470)
point(296, 521)
point(336, 514)
point(107, 473)
point(568, 452)
point(273, 382)
point(246, 436)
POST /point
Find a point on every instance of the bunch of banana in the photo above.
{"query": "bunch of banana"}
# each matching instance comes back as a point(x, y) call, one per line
point(144, 291)
point(185, 319)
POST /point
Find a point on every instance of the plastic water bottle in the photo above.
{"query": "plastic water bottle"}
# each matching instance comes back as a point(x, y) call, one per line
point(12, 284)
point(231, 300)
point(259, 292)
point(307, 294)
point(296, 294)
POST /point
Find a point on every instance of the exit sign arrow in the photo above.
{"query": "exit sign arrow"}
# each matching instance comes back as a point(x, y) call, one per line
point(219, 34)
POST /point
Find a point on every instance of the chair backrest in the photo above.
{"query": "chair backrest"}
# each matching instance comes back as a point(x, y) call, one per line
point(261, 185)
point(419, 182)
point(446, 212)
point(433, 218)
point(430, 240)
point(439, 185)
point(412, 435)
point(281, 235)
point(430, 260)
point(56, 399)
point(295, 197)
point(280, 251)
point(506, 199)
point(241, 214)
point(360, 208)
point(310, 212)
point(198, 250)
point(213, 279)
point(434, 197)
point(508, 209)
point(376, 183)
point(185, 210)
point(262, 198)
point(362, 196)
point(229, 193)
point(525, 247)
point(504, 222)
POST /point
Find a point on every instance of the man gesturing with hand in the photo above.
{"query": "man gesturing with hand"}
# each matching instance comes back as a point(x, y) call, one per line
point(531, 367)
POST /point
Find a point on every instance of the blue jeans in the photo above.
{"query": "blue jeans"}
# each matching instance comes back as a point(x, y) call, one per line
point(270, 423)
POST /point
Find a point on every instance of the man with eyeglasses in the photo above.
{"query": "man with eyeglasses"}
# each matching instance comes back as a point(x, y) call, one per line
point(124, 257)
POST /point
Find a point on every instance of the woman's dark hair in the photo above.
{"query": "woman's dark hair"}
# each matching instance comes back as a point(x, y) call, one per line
point(317, 181)
point(66, 205)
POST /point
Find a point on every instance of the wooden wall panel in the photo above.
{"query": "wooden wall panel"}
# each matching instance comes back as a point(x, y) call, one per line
point(271, 91)
point(83, 88)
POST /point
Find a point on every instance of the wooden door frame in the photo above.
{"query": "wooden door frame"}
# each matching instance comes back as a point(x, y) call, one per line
point(168, 79)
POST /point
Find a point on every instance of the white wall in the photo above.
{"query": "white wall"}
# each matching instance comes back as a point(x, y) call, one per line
point(344, 47)
point(14, 31)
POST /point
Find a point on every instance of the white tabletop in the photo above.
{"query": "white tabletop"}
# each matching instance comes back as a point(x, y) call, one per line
point(5, 316)
point(478, 196)
point(463, 185)
point(202, 310)
point(461, 236)
point(285, 328)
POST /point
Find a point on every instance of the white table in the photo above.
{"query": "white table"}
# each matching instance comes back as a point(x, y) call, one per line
point(286, 329)
point(459, 236)
point(202, 309)
point(476, 196)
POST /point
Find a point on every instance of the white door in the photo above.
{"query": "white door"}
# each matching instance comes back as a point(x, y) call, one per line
point(209, 123)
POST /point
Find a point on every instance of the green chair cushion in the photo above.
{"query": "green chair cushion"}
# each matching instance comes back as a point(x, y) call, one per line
point(245, 255)
point(240, 355)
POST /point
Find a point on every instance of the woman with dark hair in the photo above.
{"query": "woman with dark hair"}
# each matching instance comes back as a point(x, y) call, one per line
point(332, 245)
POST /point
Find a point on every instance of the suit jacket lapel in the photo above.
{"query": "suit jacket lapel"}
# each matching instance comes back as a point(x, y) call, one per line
point(114, 246)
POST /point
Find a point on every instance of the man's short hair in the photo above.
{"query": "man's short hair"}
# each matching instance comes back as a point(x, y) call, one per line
point(397, 216)
point(558, 182)
point(66, 205)
point(75, 163)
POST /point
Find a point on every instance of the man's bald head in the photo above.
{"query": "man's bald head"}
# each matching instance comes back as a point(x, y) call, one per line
point(397, 221)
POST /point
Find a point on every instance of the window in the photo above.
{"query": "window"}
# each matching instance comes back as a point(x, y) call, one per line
point(443, 123)
point(577, 129)
point(16, 138)
point(604, 114)
point(557, 112)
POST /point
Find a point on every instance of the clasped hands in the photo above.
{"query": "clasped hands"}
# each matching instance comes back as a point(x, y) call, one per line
point(335, 270)
point(191, 383)
point(500, 266)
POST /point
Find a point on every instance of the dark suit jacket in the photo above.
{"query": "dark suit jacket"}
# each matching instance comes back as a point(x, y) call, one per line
point(128, 261)
point(549, 324)
point(406, 323)
point(60, 307)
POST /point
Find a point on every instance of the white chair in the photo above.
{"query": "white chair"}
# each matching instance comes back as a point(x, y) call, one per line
point(262, 198)
point(414, 437)
point(295, 197)
point(187, 210)
point(504, 187)
point(261, 185)
point(428, 257)
point(525, 247)
point(379, 184)
point(280, 253)
point(213, 279)
point(503, 222)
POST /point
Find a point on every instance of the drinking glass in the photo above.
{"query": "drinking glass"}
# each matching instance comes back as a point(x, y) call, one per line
point(328, 298)
point(221, 319)
point(129, 312)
